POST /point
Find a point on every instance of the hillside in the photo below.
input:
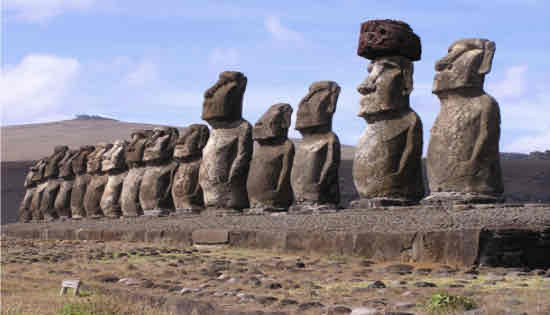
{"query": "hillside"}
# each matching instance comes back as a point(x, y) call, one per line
point(525, 180)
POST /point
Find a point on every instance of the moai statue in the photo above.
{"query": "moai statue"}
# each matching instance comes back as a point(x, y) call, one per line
point(81, 181)
point(129, 197)
point(41, 185)
point(114, 165)
point(66, 177)
point(387, 168)
point(186, 191)
point(227, 154)
point(98, 181)
point(155, 195)
point(25, 209)
point(314, 175)
point(463, 161)
point(268, 183)
point(47, 204)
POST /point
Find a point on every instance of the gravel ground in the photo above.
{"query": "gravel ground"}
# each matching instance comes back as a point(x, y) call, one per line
point(412, 219)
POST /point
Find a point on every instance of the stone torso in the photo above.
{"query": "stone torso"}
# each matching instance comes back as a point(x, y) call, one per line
point(311, 156)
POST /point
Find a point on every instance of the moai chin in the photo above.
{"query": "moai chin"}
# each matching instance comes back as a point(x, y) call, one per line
point(268, 183)
point(66, 177)
point(463, 161)
point(47, 204)
point(314, 175)
point(387, 167)
point(227, 154)
point(81, 181)
point(129, 197)
point(114, 165)
point(96, 187)
point(155, 190)
point(186, 191)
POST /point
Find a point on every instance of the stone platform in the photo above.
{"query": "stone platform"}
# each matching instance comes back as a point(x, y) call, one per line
point(508, 235)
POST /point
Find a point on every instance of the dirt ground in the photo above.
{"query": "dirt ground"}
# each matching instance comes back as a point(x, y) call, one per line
point(249, 280)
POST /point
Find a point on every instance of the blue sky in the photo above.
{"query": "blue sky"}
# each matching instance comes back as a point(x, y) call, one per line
point(151, 61)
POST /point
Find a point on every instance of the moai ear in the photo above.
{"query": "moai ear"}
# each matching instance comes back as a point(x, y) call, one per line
point(407, 70)
point(488, 54)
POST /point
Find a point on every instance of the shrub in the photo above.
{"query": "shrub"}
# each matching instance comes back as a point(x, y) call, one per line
point(444, 302)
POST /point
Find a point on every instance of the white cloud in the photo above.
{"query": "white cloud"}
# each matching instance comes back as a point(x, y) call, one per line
point(143, 73)
point(220, 57)
point(36, 87)
point(513, 84)
point(43, 10)
point(280, 32)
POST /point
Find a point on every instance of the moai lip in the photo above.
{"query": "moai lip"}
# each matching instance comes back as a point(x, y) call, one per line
point(186, 191)
point(268, 184)
point(463, 161)
point(227, 154)
point(314, 175)
point(387, 167)
point(154, 193)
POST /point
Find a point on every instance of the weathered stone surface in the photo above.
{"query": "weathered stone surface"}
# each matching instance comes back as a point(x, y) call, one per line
point(227, 154)
point(82, 179)
point(379, 38)
point(52, 169)
point(94, 191)
point(186, 191)
point(463, 153)
point(62, 202)
point(37, 200)
point(314, 174)
point(129, 197)
point(115, 165)
point(51, 172)
point(387, 167)
point(25, 213)
point(155, 191)
point(210, 237)
point(268, 183)
point(32, 178)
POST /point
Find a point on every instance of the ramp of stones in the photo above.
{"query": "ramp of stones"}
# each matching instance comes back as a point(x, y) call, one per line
point(506, 235)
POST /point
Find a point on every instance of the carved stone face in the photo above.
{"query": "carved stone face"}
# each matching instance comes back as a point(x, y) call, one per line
point(387, 87)
point(65, 166)
point(466, 65)
point(39, 168)
point(160, 146)
point(318, 106)
point(134, 150)
point(79, 163)
point(224, 100)
point(192, 141)
point(274, 123)
point(114, 158)
point(52, 170)
point(95, 158)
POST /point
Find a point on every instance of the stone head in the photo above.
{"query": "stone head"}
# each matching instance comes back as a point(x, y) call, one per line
point(160, 146)
point(136, 147)
point(224, 100)
point(52, 169)
point(388, 86)
point(465, 66)
point(79, 163)
point(38, 169)
point(317, 107)
point(65, 166)
point(191, 142)
point(113, 159)
point(95, 158)
point(274, 123)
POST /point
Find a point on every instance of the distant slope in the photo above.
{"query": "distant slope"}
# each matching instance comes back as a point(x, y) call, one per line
point(34, 141)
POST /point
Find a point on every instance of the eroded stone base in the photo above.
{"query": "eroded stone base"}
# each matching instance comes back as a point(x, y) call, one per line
point(366, 203)
point(459, 198)
point(312, 208)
